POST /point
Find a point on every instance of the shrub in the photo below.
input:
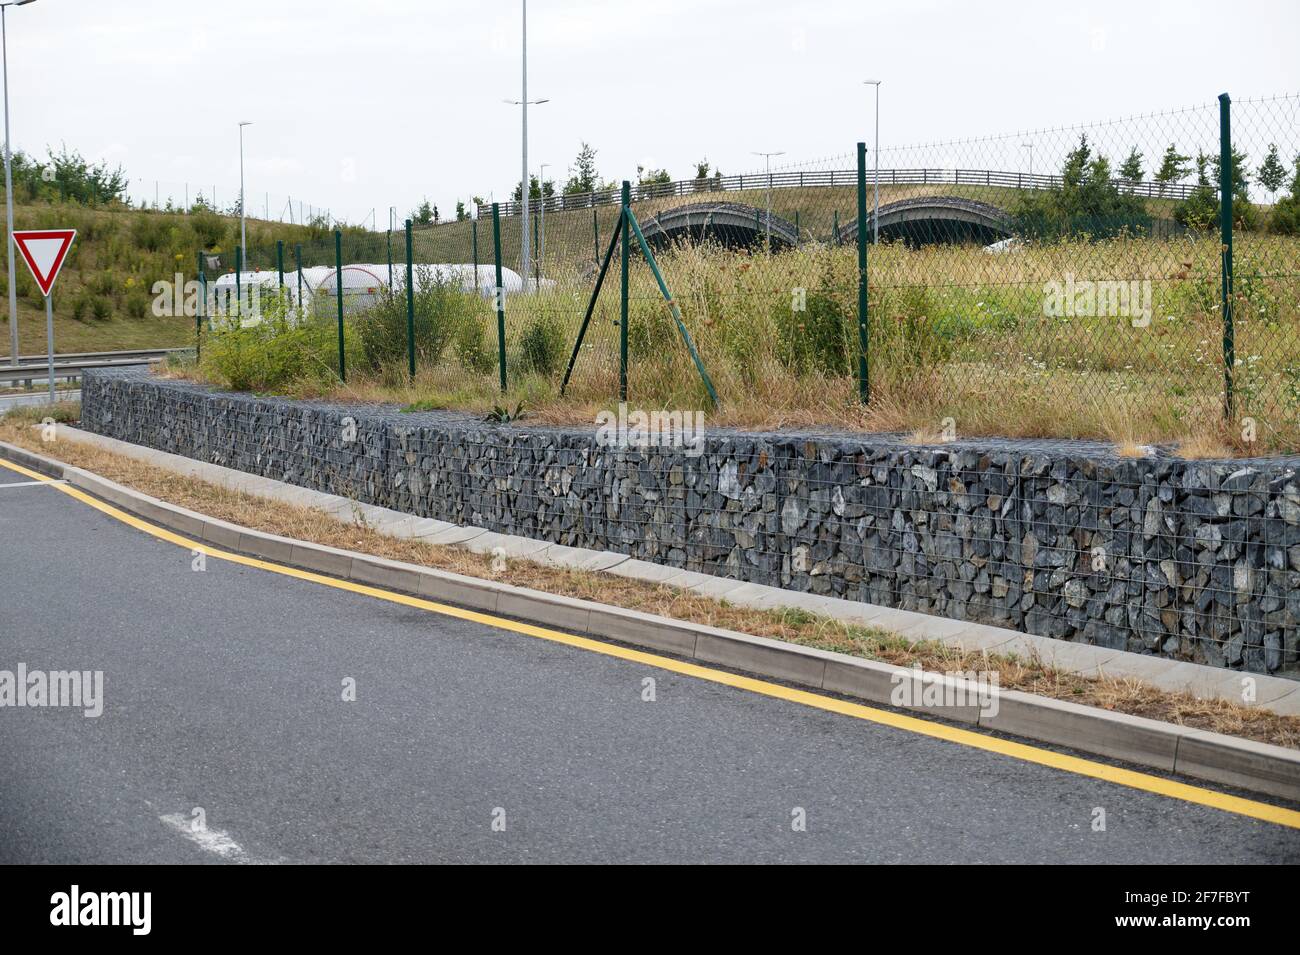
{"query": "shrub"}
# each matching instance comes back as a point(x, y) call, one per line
point(542, 346)
point(151, 232)
point(819, 338)
point(913, 332)
point(136, 304)
point(441, 308)
point(79, 306)
point(101, 307)
point(272, 355)
point(103, 283)
point(474, 350)
point(1285, 219)
point(209, 228)
point(649, 329)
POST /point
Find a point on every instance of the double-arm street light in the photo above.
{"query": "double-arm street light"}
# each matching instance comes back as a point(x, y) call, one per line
point(524, 102)
point(768, 158)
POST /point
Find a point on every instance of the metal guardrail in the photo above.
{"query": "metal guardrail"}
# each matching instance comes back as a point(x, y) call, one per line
point(827, 178)
point(71, 367)
point(151, 354)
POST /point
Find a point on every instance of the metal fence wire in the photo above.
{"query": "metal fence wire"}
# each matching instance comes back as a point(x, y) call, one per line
point(1078, 280)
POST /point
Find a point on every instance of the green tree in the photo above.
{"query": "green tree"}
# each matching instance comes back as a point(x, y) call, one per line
point(535, 189)
point(1271, 172)
point(1285, 219)
point(461, 214)
point(1087, 203)
point(652, 177)
point(1131, 170)
point(66, 176)
point(585, 178)
point(1173, 168)
point(1200, 210)
point(1240, 178)
point(424, 214)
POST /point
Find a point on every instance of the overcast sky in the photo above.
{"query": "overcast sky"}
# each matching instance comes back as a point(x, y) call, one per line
point(365, 105)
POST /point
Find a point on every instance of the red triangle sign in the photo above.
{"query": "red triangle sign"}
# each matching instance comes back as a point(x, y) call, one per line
point(44, 251)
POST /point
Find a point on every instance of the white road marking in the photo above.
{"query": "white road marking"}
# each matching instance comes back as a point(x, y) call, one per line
point(32, 483)
point(211, 840)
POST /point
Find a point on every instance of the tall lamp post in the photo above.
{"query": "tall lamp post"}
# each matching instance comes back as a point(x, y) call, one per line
point(524, 102)
point(768, 158)
point(541, 215)
point(9, 193)
point(875, 209)
point(243, 236)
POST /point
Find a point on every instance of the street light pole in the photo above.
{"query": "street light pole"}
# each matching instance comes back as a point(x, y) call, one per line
point(541, 215)
point(768, 158)
point(9, 193)
point(875, 209)
point(243, 205)
point(1029, 148)
point(524, 102)
point(523, 181)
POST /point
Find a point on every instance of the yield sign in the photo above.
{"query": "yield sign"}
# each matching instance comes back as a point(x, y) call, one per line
point(44, 251)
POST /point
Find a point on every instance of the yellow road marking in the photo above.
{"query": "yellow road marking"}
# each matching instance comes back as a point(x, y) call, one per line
point(912, 724)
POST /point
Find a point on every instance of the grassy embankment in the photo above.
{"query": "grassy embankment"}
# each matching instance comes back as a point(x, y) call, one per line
point(102, 300)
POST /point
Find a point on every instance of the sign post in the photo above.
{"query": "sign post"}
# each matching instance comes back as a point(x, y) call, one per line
point(44, 251)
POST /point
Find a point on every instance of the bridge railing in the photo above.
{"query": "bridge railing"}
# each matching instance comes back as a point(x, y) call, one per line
point(827, 179)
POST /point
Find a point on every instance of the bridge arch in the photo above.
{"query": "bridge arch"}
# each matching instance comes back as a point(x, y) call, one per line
point(927, 220)
point(729, 224)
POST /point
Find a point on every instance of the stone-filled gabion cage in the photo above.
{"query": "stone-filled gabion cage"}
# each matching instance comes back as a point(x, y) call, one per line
point(1198, 560)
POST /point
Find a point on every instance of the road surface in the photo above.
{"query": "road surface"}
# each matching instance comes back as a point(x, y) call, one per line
point(224, 700)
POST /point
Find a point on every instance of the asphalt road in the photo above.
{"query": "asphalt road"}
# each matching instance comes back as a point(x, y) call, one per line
point(223, 692)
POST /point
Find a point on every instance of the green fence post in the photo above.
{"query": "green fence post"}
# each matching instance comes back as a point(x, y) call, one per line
point(500, 294)
point(239, 275)
point(595, 233)
point(864, 385)
point(390, 258)
point(473, 239)
point(1225, 237)
point(279, 260)
point(410, 303)
point(338, 284)
point(199, 312)
point(591, 307)
point(630, 218)
point(835, 229)
point(622, 292)
point(797, 236)
point(297, 257)
point(537, 259)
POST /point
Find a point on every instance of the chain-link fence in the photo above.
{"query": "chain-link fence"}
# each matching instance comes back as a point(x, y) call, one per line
point(1132, 277)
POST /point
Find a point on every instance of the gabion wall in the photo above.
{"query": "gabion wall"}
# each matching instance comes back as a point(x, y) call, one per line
point(1195, 560)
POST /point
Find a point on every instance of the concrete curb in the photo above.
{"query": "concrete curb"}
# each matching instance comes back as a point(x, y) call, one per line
point(1245, 764)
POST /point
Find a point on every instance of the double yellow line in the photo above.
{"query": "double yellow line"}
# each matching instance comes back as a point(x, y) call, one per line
point(912, 724)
